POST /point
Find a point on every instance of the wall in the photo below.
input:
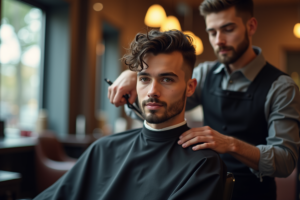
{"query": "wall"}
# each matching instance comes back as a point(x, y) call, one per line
point(275, 31)
point(274, 34)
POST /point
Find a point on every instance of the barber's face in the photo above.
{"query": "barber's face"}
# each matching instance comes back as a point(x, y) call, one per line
point(161, 88)
point(227, 35)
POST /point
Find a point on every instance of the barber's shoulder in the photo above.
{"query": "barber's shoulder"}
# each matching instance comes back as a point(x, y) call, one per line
point(203, 68)
point(284, 82)
point(285, 79)
point(206, 65)
point(284, 91)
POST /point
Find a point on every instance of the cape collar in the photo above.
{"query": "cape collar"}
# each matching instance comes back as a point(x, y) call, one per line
point(164, 129)
point(164, 135)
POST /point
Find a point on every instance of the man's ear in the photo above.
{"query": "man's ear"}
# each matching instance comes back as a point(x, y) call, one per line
point(252, 26)
point(190, 87)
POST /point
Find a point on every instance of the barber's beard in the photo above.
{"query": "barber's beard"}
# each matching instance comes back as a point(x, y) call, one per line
point(236, 53)
point(171, 110)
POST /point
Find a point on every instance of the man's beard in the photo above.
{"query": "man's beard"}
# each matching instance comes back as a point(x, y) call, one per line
point(236, 54)
point(170, 111)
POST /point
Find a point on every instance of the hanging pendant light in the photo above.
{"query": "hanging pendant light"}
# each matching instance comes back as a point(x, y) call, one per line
point(297, 25)
point(155, 16)
point(199, 46)
point(170, 23)
point(197, 42)
point(297, 30)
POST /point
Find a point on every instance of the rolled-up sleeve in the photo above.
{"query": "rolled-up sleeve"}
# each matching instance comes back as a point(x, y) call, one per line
point(279, 156)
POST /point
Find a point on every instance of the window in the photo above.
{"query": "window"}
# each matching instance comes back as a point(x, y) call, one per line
point(21, 33)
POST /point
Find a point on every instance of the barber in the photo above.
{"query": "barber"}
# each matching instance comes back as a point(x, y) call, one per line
point(251, 109)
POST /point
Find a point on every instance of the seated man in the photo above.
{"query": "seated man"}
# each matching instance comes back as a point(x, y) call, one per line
point(148, 163)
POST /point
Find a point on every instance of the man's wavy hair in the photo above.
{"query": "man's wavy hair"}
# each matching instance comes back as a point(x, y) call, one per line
point(157, 42)
point(244, 8)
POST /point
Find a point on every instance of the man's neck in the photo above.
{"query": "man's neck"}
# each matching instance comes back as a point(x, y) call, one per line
point(245, 59)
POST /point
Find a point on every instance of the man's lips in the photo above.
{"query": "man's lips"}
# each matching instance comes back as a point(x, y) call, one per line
point(153, 106)
point(223, 51)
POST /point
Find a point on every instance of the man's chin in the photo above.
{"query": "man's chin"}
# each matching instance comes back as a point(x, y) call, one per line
point(224, 59)
point(155, 119)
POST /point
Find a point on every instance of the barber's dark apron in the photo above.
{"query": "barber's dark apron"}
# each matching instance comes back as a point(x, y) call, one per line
point(241, 115)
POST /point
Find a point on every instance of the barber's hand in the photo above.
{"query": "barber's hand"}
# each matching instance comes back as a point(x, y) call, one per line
point(210, 138)
point(124, 84)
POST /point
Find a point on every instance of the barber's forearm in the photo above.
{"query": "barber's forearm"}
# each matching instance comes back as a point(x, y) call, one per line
point(246, 153)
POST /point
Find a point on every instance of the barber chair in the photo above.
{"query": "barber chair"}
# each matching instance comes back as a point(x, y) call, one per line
point(51, 160)
point(286, 187)
point(229, 183)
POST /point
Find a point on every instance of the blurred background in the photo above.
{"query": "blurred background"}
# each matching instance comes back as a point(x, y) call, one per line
point(55, 54)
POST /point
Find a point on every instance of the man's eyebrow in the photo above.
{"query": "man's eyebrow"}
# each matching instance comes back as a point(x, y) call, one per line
point(168, 74)
point(225, 25)
point(160, 75)
point(143, 74)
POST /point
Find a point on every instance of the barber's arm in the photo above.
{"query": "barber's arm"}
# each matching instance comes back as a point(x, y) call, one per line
point(279, 156)
point(211, 139)
point(124, 84)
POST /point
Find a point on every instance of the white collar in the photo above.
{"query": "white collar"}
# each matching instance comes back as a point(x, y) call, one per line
point(166, 128)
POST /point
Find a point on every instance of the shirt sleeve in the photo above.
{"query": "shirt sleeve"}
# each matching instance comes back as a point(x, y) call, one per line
point(199, 74)
point(279, 156)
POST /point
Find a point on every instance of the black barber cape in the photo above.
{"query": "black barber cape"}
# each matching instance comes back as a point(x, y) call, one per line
point(141, 164)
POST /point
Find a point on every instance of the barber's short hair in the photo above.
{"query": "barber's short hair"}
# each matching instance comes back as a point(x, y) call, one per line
point(244, 8)
point(157, 42)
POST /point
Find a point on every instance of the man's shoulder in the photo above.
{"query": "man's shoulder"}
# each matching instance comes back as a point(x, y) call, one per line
point(200, 156)
point(282, 83)
point(206, 153)
point(207, 158)
point(118, 137)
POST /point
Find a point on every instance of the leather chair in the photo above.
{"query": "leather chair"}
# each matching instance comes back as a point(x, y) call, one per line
point(51, 160)
point(229, 184)
point(286, 187)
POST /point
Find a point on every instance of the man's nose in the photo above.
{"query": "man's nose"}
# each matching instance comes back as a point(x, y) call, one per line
point(220, 39)
point(154, 90)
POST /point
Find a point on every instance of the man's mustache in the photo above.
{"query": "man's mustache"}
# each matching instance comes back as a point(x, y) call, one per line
point(226, 48)
point(154, 100)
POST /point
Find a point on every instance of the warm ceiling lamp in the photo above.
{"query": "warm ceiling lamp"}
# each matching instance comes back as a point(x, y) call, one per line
point(155, 16)
point(196, 42)
point(98, 6)
point(297, 30)
point(170, 23)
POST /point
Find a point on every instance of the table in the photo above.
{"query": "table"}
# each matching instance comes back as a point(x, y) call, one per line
point(13, 145)
point(9, 184)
